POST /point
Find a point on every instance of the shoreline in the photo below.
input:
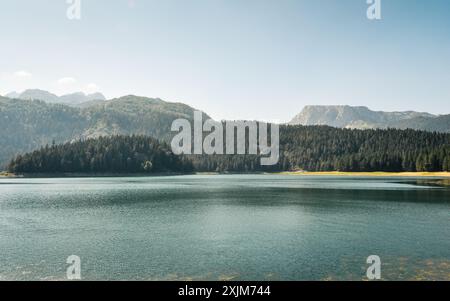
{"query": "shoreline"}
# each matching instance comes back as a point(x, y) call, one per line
point(91, 175)
point(441, 174)
point(287, 173)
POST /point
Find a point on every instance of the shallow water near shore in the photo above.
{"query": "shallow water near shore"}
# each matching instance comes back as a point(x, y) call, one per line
point(224, 227)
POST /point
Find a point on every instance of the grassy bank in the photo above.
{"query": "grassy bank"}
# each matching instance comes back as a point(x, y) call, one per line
point(367, 174)
point(5, 174)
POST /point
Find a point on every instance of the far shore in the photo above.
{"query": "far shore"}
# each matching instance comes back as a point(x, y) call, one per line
point(366, 174)
point(5, 174)
point(288, 173)
point(89, 175)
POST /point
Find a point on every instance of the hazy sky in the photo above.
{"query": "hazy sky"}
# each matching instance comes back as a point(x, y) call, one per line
point(234, 59)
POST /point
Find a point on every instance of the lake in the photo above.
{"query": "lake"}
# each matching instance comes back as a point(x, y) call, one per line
point(224, 227)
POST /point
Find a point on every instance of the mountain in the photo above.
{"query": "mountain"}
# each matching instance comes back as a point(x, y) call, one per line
point(26, 125)
point(435, 124)
point(364, 118)
point(12, 95)
point(80, 98)
point(74, 99)
point(36, 94)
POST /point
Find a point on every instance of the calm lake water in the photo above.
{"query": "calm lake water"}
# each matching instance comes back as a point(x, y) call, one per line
point(236, 227)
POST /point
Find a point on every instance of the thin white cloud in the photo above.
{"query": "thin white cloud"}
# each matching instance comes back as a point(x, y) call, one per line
point(92, 88)
point(22, 74)
point(67, 81)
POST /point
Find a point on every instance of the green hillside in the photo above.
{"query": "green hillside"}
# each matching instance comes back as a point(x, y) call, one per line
point(26, 125)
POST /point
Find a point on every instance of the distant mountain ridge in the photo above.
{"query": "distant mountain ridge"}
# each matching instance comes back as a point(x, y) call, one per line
point(73, 99)
point(363, 118)
point(26, 124)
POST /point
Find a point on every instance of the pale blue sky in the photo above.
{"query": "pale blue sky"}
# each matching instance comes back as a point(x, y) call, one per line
point(234, 59)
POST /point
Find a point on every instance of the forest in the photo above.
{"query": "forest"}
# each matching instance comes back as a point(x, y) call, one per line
point(308, 148)
point(114, 154)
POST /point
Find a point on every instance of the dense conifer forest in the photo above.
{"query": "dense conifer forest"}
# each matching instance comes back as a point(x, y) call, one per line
point(323, 148)
point(309, 148)
point(114, 154)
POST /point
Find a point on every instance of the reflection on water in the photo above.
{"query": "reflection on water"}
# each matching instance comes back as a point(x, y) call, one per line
point(430, 182)
point(240, 227)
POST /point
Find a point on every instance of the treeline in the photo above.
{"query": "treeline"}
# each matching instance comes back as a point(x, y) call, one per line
point(323, 148)
point(114, 154)
point(311, 148)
